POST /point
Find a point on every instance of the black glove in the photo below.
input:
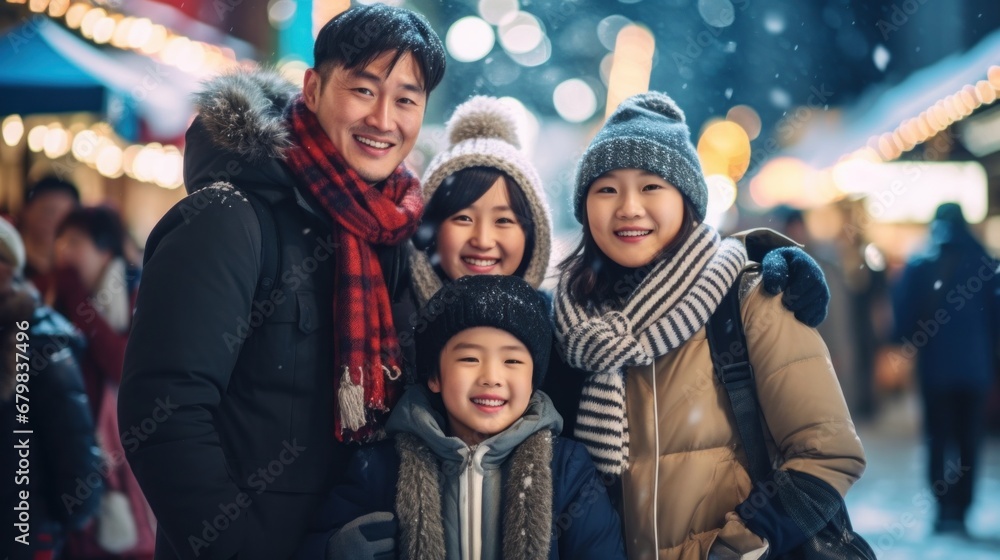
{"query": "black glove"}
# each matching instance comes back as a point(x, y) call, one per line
point(369, 536)
point(789, 507)
point(792, 271)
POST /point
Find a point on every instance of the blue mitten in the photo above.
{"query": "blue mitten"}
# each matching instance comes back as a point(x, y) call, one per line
point(792, 271)
point(371, 536)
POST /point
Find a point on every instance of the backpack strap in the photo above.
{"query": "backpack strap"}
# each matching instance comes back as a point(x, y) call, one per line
point(269, 247)
point(269, 238)
point(727, 344)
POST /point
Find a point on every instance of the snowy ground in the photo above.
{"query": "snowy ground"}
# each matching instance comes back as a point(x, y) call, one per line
point(892, 505)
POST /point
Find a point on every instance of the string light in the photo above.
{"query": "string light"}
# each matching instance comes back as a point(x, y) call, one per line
point(140, 35)
point(98, 148)
point(943, 113)
point(13, 130)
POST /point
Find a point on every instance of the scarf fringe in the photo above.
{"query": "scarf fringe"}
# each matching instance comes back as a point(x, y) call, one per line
point(351, 398)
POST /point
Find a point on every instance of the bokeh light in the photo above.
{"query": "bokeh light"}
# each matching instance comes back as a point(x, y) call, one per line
point(36, 138)
point(746, 117)
point(724, 149)
point(536, 57)
point(109, 161)
point(717, 13)
point(574, 100)
point(521, 34)
point(609, 28)
point(633, 62)
point(470, 39)
point(13, 130)
point(497, 12)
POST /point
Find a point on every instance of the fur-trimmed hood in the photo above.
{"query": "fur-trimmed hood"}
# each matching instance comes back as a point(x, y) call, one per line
point(244, 112)
point(241, 130)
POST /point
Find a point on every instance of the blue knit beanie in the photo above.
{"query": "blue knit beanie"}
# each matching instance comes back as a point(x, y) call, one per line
point(647, 131)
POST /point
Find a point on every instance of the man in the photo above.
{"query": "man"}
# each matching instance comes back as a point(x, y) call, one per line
point(947, 311)
point(263, 342)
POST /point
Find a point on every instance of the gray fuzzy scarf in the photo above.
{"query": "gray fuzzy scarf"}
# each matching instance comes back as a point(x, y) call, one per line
point(426, 282)
point(527, 522)
point(664, 310)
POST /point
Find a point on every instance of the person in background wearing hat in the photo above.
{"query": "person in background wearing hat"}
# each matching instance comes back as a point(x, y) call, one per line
point(486, 213)
point(96, 290)
point(46, 205)
point(631, 307)
point(64, 483)
point(474, 468)
point(946, 305)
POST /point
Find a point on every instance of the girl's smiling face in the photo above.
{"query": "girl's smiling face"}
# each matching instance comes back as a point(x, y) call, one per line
point(633, 214)
point(485, 238)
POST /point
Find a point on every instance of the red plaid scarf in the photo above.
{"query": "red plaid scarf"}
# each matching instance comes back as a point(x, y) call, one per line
point(366, 348)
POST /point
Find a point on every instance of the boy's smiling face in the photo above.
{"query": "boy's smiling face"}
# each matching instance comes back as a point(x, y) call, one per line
point(485, 381)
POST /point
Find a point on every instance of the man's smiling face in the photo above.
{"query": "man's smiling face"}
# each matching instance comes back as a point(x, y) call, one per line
point(372, 115)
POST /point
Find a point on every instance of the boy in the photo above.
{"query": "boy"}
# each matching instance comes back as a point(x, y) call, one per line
point(474, 468)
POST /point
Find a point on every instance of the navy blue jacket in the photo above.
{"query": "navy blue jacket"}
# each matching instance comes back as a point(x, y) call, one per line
point(947, 309)
point(64, 481)
point(584, 523)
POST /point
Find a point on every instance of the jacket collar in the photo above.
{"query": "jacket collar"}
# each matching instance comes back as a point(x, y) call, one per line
point(414, 414)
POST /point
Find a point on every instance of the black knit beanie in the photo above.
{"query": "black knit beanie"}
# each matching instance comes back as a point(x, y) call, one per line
point(507, 303)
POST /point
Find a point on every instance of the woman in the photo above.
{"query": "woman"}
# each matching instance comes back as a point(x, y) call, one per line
point(96, 289)
point(632, 304)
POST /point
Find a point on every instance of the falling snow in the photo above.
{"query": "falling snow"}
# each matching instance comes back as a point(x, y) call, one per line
point(881, 57)
point(774, 23)
point(729, 93)
point(780, 98)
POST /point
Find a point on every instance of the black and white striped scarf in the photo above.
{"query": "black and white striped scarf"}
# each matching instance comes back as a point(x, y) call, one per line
point(666, 308)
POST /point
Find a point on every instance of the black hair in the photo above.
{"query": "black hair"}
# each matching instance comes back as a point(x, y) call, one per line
point(361, 34)
point(596, 279)
point(52, 184)
point(101, 224)
point(459, 191)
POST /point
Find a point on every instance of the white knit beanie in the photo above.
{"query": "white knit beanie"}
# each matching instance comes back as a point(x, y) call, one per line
point(11, 246)
point(483, 133)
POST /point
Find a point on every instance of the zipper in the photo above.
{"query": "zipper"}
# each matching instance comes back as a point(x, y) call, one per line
point(656, 463)
point(470, 518)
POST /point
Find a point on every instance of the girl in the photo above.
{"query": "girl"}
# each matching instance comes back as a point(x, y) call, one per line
point(485, 212)
point(631, 306)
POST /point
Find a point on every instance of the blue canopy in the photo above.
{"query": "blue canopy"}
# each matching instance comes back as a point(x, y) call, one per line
point(47, 69)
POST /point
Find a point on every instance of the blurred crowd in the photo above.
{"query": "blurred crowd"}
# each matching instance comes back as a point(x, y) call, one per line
point(69, 277)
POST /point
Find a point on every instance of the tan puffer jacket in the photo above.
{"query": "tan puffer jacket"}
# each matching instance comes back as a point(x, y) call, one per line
point(686, 474)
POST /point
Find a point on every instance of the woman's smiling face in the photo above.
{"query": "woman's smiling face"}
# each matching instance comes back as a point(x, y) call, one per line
point(633, 214)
